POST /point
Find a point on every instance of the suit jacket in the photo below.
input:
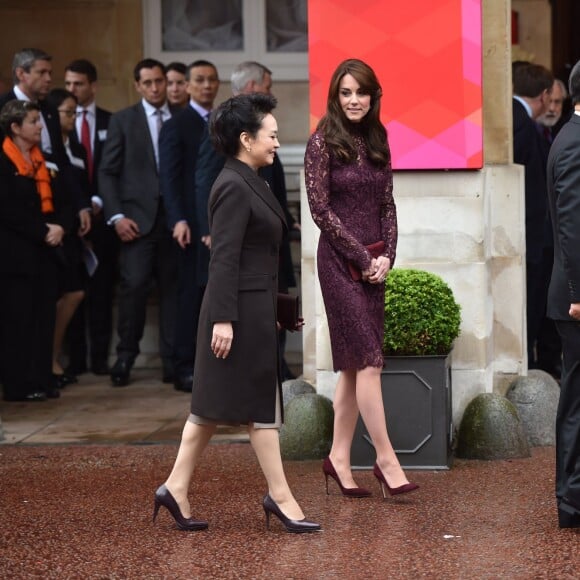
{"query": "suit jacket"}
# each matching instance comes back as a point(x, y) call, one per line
point(178, 148)
point(247, 224)
point(128, 178)
point(209, 165)
point(179, 143)
point(528, 151)
point(101, 124)
point(564, 199)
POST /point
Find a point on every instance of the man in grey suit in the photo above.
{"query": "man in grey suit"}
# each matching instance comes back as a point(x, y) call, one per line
point(564, 303)
point(133, 205)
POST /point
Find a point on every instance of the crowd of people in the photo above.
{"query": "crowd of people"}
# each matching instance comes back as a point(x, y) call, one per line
point(175, 191)
point(196, 200)
point(131, 199)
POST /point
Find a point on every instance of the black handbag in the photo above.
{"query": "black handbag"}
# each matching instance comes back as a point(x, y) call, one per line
point(288, 311)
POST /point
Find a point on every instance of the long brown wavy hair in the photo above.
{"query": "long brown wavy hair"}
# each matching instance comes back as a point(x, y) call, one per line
point(337, 129)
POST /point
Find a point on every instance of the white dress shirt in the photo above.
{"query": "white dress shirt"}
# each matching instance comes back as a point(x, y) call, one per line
point(45, 144)
point(151, 113)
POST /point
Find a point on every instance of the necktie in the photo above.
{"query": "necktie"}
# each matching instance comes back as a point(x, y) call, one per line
point(548, 134)
point(159, 114)
point(86, 142)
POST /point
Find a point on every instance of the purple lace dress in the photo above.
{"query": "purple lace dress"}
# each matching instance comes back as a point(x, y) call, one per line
point(353, 206)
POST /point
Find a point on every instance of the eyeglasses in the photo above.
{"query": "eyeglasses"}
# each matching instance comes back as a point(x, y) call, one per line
point(68, 112)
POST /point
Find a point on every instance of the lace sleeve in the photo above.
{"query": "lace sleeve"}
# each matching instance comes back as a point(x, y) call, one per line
point(389, 228)
point(317, 171)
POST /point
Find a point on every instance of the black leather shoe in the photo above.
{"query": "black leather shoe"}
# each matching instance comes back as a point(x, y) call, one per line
point(30, 398)
point(568, 513)
point(164, 498)
point(100, 368)
point(184, 384)
point(168, 372)
point(120, 373)
point(292, 526)
point(76, 369)
point(62, 380)
point(52, 393)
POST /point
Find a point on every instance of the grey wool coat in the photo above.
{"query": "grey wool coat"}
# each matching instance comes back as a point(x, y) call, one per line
point(246, 225)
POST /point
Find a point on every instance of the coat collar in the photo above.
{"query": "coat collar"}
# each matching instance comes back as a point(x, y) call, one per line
point(259, 185)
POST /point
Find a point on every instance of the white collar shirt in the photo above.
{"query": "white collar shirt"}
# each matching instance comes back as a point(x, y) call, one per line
point(45, 143)
point(91, 120)
point(151, 114)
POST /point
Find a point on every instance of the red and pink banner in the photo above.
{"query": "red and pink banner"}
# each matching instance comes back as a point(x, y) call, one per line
point(428, 57)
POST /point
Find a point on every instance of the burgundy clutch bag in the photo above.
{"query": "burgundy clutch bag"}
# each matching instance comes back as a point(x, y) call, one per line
point(288, 311)
point(376, 250)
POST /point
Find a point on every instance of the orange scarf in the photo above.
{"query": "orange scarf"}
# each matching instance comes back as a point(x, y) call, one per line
point(37, 170)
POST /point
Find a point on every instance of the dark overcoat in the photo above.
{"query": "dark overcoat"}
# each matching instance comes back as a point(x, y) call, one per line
point(28, 285)
point(247, 225)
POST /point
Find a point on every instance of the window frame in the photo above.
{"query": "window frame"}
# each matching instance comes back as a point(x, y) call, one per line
point(288, 66)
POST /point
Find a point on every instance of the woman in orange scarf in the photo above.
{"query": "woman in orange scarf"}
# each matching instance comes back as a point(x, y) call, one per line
point(29, 238)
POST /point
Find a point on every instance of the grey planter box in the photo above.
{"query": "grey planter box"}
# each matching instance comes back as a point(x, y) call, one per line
point(417, 399)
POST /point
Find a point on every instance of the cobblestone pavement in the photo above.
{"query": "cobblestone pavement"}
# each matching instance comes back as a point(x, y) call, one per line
point(77, 478)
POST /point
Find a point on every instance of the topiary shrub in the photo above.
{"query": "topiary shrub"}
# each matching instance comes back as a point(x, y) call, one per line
point(421, 314)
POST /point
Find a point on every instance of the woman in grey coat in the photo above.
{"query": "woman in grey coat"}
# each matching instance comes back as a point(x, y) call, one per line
point(236, 377)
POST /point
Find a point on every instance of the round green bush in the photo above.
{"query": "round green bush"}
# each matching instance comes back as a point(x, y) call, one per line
point(421, 314)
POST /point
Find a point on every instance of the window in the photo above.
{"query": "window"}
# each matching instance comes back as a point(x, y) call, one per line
point(227, 32)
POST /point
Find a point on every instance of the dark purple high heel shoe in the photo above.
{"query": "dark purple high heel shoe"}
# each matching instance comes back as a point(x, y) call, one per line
point(328, 469)
point(164, 498)
point(405, 488)
point(293, 526)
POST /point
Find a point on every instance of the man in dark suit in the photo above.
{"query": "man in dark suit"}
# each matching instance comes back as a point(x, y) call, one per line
point(186, 211)
point(133, 204)
point(532, 84)
point(32, 73)
point(80, 78)
point(564, 303)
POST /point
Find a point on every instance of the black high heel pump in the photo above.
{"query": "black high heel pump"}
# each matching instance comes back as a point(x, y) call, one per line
point(328, 470)
point(164, 498)
point(293, 526)
point(405, 488)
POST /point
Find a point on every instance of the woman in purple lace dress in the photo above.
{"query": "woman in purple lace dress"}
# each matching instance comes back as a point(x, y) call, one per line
point(350, 191)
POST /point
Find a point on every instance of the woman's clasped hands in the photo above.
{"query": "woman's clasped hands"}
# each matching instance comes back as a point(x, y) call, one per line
point(378, 270)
